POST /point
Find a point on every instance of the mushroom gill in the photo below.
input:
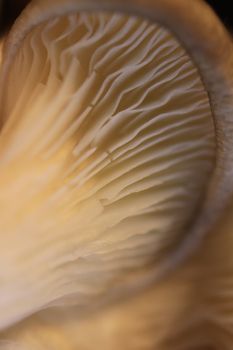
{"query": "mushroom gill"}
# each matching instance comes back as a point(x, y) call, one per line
point(108, 143)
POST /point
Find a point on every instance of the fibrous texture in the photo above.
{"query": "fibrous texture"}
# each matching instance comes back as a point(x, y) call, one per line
point(106, 149)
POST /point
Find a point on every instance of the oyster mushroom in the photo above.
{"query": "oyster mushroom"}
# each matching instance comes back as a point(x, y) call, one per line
point(115, 152)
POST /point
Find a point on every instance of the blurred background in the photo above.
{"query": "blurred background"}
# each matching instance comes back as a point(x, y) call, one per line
point(10, 9)
point(224, 10)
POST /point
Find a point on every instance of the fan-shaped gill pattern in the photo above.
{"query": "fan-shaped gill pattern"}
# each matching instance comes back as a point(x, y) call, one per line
point(108, 138)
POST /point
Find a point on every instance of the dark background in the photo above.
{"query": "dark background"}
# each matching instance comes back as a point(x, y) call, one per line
point(224, 10)
point(11, 9)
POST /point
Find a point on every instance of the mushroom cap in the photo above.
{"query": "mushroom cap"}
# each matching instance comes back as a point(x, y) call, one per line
point(109, 143)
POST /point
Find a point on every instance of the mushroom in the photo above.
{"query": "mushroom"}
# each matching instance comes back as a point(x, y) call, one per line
point(115, 159)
